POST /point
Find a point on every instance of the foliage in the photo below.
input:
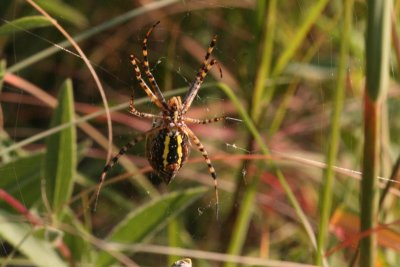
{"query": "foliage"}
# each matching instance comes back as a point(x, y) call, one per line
point(288, 165)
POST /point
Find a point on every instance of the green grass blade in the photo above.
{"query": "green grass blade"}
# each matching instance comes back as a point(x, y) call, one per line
point(298, 39)
point(295, 43)
point(333, 142)
point(144, 222)
point(242, 223)
point(20, 177)
point(263, 71)
point(288, 191)
point(378, 47)
point(173, 239)
point(79, 246)
point(64, 11)
point(3, 67)
point(377, 77)
point(24, 24)
point(20, 235)
point(60, 161)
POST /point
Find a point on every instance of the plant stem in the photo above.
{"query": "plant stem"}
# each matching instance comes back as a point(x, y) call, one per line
point(333, 142)
point(377, 63)
point(264, 67)
point(260, 142)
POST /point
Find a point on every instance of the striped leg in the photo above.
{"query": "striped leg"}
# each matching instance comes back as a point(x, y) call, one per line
point(144, 86)
point(206, 121)
point(200, 75)
point(137, 113)
point(113, 162)
point(149, 75)
point(197, 84)
point(211, 169)
point(208, 54)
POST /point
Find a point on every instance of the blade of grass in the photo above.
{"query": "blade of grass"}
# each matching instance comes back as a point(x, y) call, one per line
point(64, 11)
point(88, 65)
point(301, 34)
point(23, 24)
point(21, 177)
point(377, 70)
point(40, 252)
point(311, 52)
point(263, 71)
point(3, 66)
point(173, 239)
point(144, 222)
point(253, 130)
point(334, 135)
point(60, 160)
point(295, 43)
point(247, 203)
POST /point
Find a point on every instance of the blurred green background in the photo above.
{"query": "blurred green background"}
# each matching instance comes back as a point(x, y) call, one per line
point(283, 64)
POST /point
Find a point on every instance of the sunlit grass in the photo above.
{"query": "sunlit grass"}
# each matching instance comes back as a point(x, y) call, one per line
point(293, 77)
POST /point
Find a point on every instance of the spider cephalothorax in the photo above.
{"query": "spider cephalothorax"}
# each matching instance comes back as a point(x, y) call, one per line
point(168, 141)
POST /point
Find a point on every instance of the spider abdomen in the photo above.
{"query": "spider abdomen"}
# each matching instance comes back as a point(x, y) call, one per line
point(167, 151)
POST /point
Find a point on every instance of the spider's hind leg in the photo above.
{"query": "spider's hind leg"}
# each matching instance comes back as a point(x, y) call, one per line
point(211, 169)
point(113, 161)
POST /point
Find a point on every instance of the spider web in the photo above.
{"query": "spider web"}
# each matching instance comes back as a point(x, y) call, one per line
point(176, 49)
point(120, 85)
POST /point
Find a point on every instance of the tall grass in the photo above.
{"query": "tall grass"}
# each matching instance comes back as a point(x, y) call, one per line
point(377, 77)
point(334, 135)
point(287, 162)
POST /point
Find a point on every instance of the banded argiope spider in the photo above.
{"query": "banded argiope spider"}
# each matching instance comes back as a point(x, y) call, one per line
point(168, 141)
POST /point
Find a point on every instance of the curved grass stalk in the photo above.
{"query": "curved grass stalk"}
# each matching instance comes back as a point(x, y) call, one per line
point(89, 66)
point(89, 33)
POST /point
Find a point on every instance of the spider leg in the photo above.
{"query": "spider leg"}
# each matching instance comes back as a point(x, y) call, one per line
point(143, 84)
point(204, 68)
point(197, 84)
point(149, 75)
point(137, 113)
point(113, 161)
point(211, 169)
point(206, 121)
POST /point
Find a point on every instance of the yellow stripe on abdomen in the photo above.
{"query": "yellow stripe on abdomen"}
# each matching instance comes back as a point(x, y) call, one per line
point(179, 148)
point(166, 150)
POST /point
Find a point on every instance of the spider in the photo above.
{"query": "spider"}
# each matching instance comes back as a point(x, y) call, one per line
point(168, 141)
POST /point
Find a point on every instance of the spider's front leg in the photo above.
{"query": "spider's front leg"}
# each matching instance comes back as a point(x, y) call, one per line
point(206, 121)
point(137, 113)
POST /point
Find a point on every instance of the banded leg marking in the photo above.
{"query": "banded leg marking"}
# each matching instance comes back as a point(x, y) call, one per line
point(143, 84)
point(206, 121)
point(146, 64)
point(113, 161)
point(211, 169)
point(137, 113)
point(208, 54)
point(197, 84)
